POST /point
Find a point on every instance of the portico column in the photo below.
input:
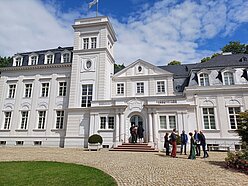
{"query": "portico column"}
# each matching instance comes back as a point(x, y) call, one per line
point(117, 129)
point(122, 128)
point(155, 128)
point(150, 128)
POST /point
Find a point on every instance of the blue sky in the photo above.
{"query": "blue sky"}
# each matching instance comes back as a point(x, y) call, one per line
point(157, 31)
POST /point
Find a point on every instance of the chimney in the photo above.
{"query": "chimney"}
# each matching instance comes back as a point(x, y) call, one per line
point(226, 53)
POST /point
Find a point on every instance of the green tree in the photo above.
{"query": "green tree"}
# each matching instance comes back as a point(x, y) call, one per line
point(205, 59)
point(243, 127)
point(235, 47)
point(118, 68)
point(5, 61)
point(174, 62)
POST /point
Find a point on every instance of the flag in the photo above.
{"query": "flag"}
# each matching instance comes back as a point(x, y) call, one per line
point(92, 3)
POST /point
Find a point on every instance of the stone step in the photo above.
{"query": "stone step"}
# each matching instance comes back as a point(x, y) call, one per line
point(134, 150)
point(134, 147)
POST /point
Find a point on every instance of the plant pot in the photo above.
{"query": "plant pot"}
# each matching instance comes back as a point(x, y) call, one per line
point(94, 146)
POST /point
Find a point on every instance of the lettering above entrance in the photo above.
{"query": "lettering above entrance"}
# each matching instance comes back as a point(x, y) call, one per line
point(135, 105)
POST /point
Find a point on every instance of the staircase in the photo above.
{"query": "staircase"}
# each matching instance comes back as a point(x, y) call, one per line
point(134, 147)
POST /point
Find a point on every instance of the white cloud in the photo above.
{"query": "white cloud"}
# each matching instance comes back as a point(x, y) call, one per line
point(167, 30)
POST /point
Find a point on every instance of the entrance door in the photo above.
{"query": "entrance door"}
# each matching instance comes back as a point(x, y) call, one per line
point(138, 121)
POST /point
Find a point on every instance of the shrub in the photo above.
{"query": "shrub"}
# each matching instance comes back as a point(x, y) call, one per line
point(95, 138)
point(178, 139)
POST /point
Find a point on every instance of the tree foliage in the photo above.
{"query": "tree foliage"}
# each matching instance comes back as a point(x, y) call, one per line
point(118, 68)
point(205, 59)
point(5, 61)
point(174, 62)
point(235, 47)
point(243, 127)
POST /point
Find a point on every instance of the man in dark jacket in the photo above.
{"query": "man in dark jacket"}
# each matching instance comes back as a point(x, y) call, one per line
point(184, 141)
point(203, 144)
point(198, 143)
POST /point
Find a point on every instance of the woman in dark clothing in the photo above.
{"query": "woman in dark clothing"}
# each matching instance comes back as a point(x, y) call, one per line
point(192, 147)
point(140, 132)
point(167, 144)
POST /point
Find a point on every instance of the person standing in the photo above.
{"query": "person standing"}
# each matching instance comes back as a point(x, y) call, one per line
point(167, 144)
point(198, 143)
point(173, 139)
point(192, 147)
point(132, 132)
point(203, 144)
point(140, 133)
point(184, 141)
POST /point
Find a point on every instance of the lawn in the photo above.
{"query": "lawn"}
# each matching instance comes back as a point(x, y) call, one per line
point(52, 173)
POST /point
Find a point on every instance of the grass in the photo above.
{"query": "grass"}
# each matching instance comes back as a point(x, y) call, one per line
point(52, 173)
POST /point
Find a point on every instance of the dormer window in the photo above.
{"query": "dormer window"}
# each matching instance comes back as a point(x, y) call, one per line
point(66, 58)
point(49, 58)
point(204, 79)
point(18, 61)
point(33, 60)
point(243, 59)
point(228, 78)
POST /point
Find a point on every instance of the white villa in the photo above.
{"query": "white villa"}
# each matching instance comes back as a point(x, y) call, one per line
point(59, 97)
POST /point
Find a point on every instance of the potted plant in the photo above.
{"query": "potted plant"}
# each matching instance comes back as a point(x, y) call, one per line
point(95, 142)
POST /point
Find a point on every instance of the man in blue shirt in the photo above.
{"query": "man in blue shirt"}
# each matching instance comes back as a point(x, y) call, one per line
point(184, 141)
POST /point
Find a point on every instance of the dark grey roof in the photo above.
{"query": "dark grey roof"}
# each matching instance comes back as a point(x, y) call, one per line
point(179, 70)
point(41, 55)
point(223, 61)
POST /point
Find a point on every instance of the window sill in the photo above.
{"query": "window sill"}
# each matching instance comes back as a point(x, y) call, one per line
point(39, 130)
point(5, 130)
point(211, 130)
point(105, 130)
point(165, 130)
point(57, 130)
point(21, 130)
point(232, 130)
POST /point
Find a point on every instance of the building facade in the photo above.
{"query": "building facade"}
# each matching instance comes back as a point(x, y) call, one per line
point(59, 97)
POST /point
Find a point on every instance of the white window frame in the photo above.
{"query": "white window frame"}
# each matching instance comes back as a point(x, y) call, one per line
point(87, 97)
point(120, 87)
point(7, 120)
point(140, 87)
point(18, 61)
point(86, 43)
point(235, 116)
point(62, 88)
point(105, 122)
point(209, 115)
point(12, 90)
point(204, 79)
point(167, 122)
point(60, 119)
point(160, 87)
point(42, 119)
point(33, 59)
point(93, 42)
point(28, 90)
point(228, 78)
point(45, 89)
point(49, 58)
point(24, 120)
point(65, 57)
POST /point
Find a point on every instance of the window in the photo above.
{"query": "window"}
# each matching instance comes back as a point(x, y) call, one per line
point(2, 142)
point(7, 120)
point(107, 122)
point(37, 143)
point(233, 116)
point(167, 122)
point(42, 119)
point(19, 142)
point(12, 89)
point(28, 90)
point(111, 122)
point(66, 58)
point(87, 91)
point(49, 59)
point(208, 118)
point(33, 60)
point(44, 89)
point(140, 69)
point(60, 120)
point(24, 121)
point(86, 43)
point(120, 88)
point(88, 65)
point(204, 80)
point(160, 87)
point(93, 42)
point(62, 88)
point(228, 78)
point(18, 61)
point(140, 88)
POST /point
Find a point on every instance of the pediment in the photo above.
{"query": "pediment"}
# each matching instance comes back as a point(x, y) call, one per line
point(141, 68)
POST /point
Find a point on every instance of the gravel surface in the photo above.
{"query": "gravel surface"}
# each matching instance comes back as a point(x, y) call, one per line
point(134, 168)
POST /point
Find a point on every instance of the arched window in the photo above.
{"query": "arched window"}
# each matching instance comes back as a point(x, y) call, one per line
point(204, 79)
point(228, 78)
